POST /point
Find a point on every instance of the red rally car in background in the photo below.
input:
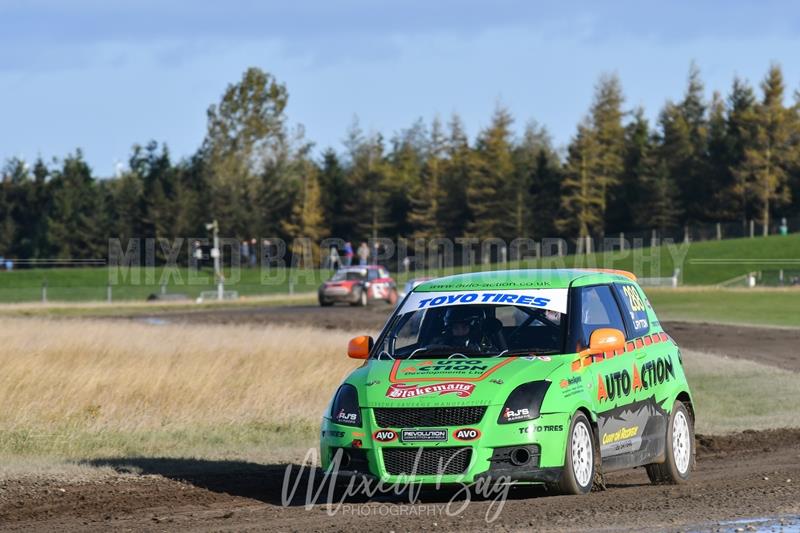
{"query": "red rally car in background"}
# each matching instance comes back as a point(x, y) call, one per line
point(359, 285)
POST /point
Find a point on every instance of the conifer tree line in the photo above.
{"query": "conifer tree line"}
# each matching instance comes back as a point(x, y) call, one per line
point(730, 158)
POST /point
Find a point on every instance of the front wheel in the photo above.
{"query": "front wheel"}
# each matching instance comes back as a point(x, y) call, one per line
point(579, 464)
point(393, 297)
point(362, 300)
point(679, 449)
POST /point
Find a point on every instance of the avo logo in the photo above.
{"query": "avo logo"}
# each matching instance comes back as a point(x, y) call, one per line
point(466, 434)
point(384, 435)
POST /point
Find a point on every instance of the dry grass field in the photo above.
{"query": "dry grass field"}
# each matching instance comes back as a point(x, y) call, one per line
point(74, 389)
point(79, 389)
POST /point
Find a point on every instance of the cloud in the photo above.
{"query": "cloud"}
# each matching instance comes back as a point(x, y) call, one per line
point(40, 34)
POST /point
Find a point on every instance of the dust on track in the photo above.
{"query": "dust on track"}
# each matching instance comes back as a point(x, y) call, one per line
point(742, 476)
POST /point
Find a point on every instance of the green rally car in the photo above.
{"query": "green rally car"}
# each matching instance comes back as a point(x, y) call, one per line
point(542, 376)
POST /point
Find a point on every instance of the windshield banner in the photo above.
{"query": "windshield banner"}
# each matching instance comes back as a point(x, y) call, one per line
point(551, 299)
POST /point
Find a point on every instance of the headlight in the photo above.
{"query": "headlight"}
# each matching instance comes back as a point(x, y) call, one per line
point(524, 402)
point(344, 409)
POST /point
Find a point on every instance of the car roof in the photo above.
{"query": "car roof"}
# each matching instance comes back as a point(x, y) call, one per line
point(525, 279)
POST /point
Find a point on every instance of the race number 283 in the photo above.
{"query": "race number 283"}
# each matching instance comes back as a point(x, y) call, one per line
point(634, 299)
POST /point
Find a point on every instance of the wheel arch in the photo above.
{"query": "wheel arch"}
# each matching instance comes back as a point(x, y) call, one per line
point(685, 398)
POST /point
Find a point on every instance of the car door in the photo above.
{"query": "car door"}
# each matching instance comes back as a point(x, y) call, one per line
point(611, 377)
point(650, 370)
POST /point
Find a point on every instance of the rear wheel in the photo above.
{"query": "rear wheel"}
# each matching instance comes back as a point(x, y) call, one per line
point(579, 464)
point(325, 303)
point(679, 449)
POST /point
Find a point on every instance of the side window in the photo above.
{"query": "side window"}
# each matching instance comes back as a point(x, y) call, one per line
point(599, 309)
point(634, 308)
point(372, 274)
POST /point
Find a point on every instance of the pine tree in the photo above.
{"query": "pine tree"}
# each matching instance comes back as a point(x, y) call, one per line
point(405, 166)
point(334, 193)
point(630, 207)
point(685, 134)
point(307, 217)
point(491, 184)
point(72, 229)
point(544, 194)
point(609, 135)
point(425, 195)
point(581, 192)
point(459, 169)
point(771, 148)
point(735, 197)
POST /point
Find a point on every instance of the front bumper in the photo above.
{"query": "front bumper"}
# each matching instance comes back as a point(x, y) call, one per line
point(331, 295)
point(490, 455)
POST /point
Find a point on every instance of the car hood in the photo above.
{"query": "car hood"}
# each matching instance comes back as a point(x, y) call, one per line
point(439, 382)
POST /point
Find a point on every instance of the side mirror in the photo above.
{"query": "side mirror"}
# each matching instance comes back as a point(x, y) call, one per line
point(359, 347)
point(606, 340)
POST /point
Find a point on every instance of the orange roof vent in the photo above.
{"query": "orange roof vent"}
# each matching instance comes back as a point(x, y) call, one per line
point(630, 275)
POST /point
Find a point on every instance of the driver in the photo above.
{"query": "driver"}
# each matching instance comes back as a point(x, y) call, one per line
point(463, 327)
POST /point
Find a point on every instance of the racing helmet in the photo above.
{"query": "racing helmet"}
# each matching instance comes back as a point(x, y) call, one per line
point(464, 314)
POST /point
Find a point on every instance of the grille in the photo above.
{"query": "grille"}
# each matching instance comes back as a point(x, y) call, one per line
point(428, 417)
point(428, 461)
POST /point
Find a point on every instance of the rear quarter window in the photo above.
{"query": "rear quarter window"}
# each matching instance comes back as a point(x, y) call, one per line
point(635, 310)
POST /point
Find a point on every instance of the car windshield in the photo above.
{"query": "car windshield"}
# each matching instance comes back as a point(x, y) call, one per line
point(474, 330)
point(349, 275)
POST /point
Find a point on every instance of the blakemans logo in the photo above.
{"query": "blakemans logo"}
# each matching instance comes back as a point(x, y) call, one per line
point(401, 391)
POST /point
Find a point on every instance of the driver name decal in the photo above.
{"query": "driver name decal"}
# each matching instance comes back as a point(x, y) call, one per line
point(402, 392)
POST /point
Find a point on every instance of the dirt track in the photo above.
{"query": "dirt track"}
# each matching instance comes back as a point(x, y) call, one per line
point(744, 476)
point(773, 346)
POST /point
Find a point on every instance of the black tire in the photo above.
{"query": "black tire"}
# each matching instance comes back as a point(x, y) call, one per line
point(393, 297)
point(325, 303)
point(362, 300)
point(569, 482)
point(670, 471)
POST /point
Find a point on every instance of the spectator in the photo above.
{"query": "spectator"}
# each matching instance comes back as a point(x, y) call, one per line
point(406, 264)
point(253, 253)
point(375, 252)
point(348, 253)
point(363, 254)
point(333, 258)
point(244, 250)
point(784, 229)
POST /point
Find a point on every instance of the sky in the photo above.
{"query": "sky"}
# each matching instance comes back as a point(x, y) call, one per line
point(101, 75)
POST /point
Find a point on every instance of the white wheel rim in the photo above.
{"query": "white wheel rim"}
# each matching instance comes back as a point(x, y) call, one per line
point(582, 460)
point(681, 444)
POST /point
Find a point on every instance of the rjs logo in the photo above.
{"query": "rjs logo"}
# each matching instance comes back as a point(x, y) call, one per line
point(347, 417)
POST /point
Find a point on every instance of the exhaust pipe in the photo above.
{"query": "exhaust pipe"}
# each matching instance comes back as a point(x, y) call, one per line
point(520, 456)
